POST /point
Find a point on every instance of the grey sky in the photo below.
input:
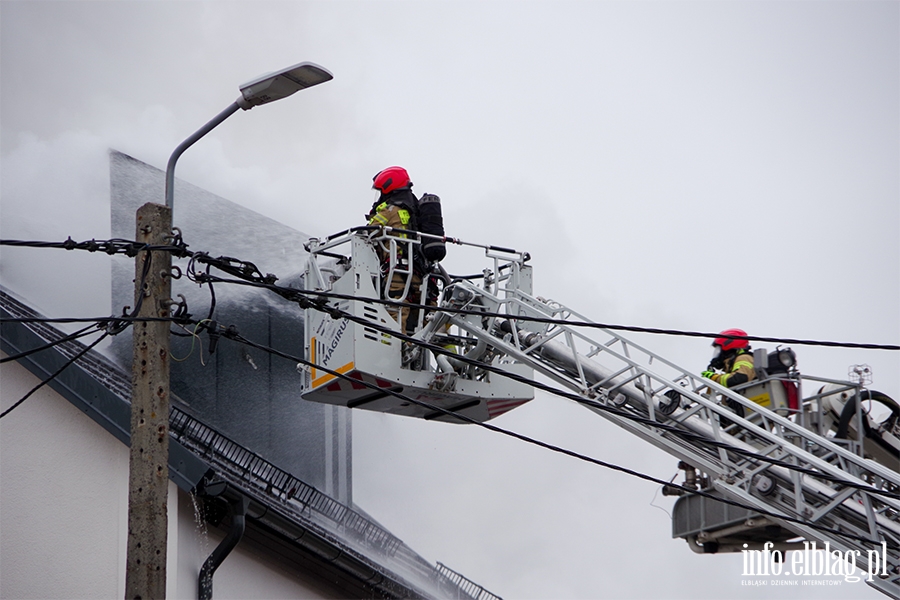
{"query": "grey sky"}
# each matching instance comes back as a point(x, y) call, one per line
point(693, 165)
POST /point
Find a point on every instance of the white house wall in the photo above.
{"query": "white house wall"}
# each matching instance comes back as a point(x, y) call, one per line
point(64, 513)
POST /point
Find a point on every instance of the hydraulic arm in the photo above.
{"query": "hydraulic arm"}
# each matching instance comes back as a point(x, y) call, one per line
point(811, 486)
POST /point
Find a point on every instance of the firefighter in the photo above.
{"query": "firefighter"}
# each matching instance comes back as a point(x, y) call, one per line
point(732, 355)
point(397, 207)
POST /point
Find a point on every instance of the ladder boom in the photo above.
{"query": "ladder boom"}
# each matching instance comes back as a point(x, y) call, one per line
point(825, 488)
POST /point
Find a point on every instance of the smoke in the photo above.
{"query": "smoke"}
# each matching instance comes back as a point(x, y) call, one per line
point(52, 190)
point(675, 165)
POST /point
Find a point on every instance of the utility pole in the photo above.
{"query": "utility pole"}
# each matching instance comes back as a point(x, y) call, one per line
point(148, 485)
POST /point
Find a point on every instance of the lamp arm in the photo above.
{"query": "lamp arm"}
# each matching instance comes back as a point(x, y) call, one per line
point(170, 168)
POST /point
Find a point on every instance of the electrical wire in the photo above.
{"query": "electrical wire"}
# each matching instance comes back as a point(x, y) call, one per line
point(100, 321)
point(233, 335)
point(111, 246)
point(298, 295)
point(52, 377)
point(250, 273)
point(294, 294)
point(74, 336)
point(689, 436)
point(248, 276)
point(194, 338)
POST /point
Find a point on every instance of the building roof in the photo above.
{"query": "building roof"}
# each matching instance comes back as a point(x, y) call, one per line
point(298, 524)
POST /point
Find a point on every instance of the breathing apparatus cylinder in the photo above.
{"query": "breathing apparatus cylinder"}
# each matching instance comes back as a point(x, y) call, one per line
point(431, 221)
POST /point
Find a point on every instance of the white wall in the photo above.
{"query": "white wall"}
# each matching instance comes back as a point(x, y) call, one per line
point(64, 512)
point(63, 497)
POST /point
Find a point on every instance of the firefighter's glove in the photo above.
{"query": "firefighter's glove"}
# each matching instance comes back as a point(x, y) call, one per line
point(707, 374)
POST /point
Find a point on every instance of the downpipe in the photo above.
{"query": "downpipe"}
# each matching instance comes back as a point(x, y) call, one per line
point(239, 508)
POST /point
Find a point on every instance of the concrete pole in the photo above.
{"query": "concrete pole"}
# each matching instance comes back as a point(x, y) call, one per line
point(145, 574)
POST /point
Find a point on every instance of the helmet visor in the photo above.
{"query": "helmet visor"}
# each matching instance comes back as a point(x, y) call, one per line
point(717, 352)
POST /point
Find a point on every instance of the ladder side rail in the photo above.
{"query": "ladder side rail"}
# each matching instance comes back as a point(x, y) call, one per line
point(816, 488)
point(808, 437)
point(804, 434)
point(690, 453)
point(674, 446)
point(696, 456)
point(723, 473)
point(679, 449)
point(806, 459)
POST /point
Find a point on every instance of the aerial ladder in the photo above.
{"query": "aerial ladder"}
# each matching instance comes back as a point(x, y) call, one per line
point(785, 460)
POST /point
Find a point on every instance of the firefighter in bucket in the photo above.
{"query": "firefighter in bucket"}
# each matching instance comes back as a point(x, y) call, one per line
point(398, 208)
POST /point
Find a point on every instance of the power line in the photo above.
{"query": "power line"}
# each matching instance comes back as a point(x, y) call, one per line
point(111, 246)
point(52, 377)
point(294, 295)
point(251, 275)
point(99, 321)
point(233, 335)
point(80, 333)
point(683, 434)
point(299, 296)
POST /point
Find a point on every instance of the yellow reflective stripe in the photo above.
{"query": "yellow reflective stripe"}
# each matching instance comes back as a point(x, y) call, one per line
point(404, 216)
point(378, 219)
point(743, 363)
point(328, 376)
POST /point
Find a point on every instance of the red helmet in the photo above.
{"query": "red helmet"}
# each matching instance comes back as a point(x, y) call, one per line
point(390, 179)
point(727, 342)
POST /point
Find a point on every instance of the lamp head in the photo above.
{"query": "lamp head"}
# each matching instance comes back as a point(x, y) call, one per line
point(281, 84)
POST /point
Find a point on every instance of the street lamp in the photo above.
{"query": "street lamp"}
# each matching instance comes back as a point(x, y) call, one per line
point(148, 475)
point(262, 90)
